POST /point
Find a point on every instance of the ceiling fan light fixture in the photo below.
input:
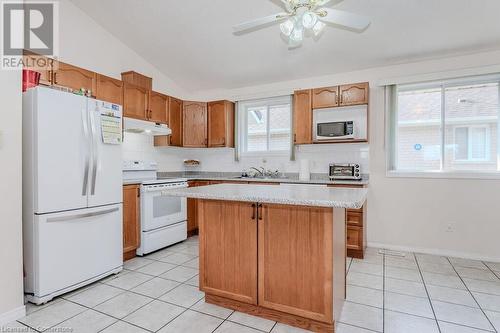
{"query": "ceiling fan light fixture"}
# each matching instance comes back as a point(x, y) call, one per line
point(318, 28)
point(309, 19)
point(287, 27)
point(297, 35)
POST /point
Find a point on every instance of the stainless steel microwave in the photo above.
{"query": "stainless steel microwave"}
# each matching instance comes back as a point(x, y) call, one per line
point(334, 130)
point(345, 171)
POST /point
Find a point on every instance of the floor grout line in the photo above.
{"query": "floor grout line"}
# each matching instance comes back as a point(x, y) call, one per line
point(383, 292)
point(475, 300)
point(428, 295)
point(349, 270)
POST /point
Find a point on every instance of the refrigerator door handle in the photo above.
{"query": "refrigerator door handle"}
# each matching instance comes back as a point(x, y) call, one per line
point(95, 152)
point(82, 216)
point(87, 153)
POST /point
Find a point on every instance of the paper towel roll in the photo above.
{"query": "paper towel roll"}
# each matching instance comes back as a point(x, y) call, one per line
point(305, 173)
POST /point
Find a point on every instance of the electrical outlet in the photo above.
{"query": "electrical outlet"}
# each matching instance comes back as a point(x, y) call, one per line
point(450, 227)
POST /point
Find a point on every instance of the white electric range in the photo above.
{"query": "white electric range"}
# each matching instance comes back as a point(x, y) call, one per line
point(163, 217)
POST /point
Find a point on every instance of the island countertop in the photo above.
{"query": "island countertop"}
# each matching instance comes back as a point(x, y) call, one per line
point(304, 195)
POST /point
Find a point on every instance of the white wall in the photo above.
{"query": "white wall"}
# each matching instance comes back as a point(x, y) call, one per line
point(409, 213)
point(11, 262)
point(86, 44)
point(140, 147)
point(82, 43)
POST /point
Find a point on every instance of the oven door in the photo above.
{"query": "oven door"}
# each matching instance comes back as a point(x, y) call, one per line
point(158, 209)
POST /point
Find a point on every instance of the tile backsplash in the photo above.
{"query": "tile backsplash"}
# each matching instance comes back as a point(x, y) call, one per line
point(140, 147)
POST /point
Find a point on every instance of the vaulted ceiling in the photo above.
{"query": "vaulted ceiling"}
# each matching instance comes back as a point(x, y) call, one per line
point(191, 41)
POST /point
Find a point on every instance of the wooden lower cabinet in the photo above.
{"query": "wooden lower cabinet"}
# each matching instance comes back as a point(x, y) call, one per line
point(131, 220)
point(295, 260)
point(273, 261)
point(228, 249)
point(192, 209)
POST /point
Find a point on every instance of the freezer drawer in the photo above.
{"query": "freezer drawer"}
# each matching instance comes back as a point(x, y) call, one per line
point(162, 237)
point(67, 249)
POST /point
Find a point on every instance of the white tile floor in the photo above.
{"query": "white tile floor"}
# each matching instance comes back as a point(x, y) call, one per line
point(159, 293)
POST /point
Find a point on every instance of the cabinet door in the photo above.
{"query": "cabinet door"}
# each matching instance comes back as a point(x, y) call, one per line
point(74, 77)
point(354, 239)
point(109, 89)
point(302, 117)
point(221, 124)
point(135, 101)
point(158, 108)
point(194, 124)
point(354, 94)
point(131, 223)
point(295, 260)
point(175, 121)
point(325, 97)
point(228, 249)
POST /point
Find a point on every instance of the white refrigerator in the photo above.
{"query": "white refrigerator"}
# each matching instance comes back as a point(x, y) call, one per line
point(72, 191)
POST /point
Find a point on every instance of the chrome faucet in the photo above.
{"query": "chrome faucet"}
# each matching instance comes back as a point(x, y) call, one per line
point(262, 171)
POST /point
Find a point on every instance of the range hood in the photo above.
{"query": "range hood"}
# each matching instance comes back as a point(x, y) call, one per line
point(132, 125)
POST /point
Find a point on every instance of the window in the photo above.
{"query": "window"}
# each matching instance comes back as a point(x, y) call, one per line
point(446, 126)
point(265, 125)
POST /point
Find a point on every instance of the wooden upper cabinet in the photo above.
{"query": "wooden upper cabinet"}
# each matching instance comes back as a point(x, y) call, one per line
point(138, 79)
point(354, 94)
point(326, 97)
point(194, 123)
point(158, 108)
point(135, 101)
point(131, 220)
point(221, 124)
point(109, 89)
point(175, 121)
point(302, 117)
point(39, 63)
point(73, 77)
point(295, 256)
point(228, 249)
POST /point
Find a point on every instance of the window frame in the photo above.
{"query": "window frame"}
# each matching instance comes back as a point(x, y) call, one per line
point(391, 112)
point(243, 125)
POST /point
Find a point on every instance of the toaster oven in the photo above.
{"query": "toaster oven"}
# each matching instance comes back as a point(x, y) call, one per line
point(345, 172)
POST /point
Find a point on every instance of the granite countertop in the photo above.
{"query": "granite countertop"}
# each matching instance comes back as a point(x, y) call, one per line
point(293, 178)
point(320, 196)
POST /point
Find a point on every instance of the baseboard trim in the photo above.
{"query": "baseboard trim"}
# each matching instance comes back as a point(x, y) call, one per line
point(438, 252)
point(12, 315)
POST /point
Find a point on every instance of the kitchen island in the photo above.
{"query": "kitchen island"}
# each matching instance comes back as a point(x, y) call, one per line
point(275, 252)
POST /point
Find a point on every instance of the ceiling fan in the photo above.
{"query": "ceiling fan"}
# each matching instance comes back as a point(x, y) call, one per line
point(306, 17)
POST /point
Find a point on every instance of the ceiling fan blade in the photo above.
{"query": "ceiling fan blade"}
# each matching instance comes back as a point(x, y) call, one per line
point(260, 22)
point(319, 3)
point(344, 19)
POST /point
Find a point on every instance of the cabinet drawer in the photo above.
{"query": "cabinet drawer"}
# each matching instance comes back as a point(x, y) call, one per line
point(354, 238)
point(354, 218)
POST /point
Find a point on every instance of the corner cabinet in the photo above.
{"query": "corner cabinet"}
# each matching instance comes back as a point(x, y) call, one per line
point(302, 117)
point(131, 220)
point(194, 124)
point(221, 124)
